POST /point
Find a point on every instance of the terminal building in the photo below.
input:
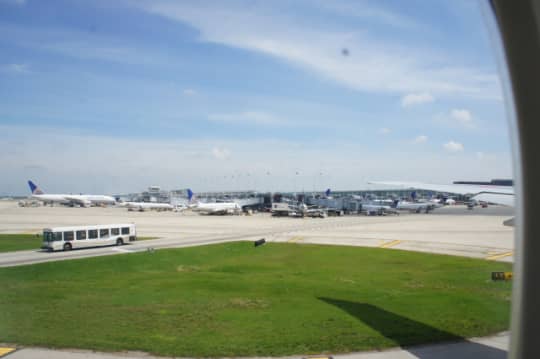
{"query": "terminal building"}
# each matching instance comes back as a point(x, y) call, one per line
point(347, 200)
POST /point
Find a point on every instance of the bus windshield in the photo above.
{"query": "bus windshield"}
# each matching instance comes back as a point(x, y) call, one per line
point(52, 236)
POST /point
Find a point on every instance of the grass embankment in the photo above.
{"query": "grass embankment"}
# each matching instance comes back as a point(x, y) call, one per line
point(236, 300)
point(19, 242)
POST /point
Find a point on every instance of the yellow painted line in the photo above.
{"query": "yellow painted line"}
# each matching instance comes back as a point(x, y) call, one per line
point(5, 351)
point(500, 255)
point(390, 244)
point(295, 239)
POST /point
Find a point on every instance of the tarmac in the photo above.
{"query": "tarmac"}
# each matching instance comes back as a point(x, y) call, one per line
point(493, 347)
point(454, 230)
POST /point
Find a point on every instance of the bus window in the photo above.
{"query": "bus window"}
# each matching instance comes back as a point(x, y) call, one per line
point(52, 236)
point(92, 234)
point(115, 231)
point(103, 233)
point(68, 236)
point(81, 235)
point(125, 230)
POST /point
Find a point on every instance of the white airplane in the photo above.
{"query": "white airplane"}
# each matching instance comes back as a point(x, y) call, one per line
point(143, 206)
point(214, 208)
point(377, 209)
point(84, 200)
point(503, 195)
point(417, 207)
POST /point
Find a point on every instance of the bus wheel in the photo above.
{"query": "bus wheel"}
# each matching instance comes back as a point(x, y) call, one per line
point(67, 247)
point(119, 242)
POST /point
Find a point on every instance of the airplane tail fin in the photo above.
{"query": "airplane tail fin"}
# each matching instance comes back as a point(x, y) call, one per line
point(33, 188)
point(327, 193)
point(190, 194)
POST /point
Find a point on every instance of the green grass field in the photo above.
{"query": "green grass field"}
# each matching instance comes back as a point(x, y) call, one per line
point(236, 300)
point(21, 242)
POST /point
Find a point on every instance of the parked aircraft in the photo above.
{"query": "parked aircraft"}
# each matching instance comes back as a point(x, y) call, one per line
point(214, 208)
point(143, 206)
point(503, 195)
point(417, 207)
point(377, 209)
point(83, 200)
point(280, 209)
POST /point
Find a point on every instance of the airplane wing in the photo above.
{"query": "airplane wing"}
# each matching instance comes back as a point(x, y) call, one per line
point(503, 195)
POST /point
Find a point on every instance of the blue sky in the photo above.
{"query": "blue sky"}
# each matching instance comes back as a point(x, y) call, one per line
point(102, 96)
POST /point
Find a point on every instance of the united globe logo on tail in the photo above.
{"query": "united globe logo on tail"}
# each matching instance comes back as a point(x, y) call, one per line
point(33, 188)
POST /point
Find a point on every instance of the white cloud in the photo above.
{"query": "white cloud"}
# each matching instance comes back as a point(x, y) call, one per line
point(189, 92)
point(420, 139)
point(221, 153)
point(453, 146)
point(68, 162)
point(384, 131)
point(248, 117)
point(462, 116)
point(416, 99)
point(372, 66)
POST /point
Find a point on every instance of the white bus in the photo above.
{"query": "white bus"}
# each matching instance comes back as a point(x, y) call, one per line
point(68, 238)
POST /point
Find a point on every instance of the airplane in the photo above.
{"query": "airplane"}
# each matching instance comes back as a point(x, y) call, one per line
point(218, 208)
point(313, 211)
point(373, 209)
point(503, 195)
point(417, 207)
point(83, 200)
point(143, 206)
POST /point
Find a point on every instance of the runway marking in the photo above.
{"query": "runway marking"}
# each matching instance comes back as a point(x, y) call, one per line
point(390, 244)
point(6, 351)
point(500, 255)
point(295, 239)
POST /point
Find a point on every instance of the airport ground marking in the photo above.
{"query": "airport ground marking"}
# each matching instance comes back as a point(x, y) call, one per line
point(390, 244)
point(6, 351)
point(295, 239)
point(500, 255)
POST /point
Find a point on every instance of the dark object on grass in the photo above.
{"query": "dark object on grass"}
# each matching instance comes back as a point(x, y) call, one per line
point(501, 275)
point(259, 242)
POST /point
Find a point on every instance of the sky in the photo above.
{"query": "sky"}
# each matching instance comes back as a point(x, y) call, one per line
point(115, 96)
